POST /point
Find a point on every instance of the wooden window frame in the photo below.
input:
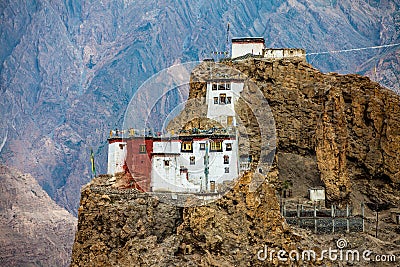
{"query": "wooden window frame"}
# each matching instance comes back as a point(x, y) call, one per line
point(187, 146)
point(216, 146)
point(142, 149)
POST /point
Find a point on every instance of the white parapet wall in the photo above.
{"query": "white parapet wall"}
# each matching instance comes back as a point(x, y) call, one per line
point(166, 175)
point(116, 156)
point(277, 53)
point(247, 45)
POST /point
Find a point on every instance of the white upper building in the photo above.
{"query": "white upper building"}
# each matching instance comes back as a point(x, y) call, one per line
point(247, 45)
point(221, 97)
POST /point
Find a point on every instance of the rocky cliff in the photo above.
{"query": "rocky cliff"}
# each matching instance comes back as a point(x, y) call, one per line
point(34, 230)
point(347, 124)
point(68, 69)
point(134, 229)
point(340, 131)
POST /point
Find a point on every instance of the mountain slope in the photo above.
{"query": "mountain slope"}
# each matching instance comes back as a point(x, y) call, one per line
point(34, 230)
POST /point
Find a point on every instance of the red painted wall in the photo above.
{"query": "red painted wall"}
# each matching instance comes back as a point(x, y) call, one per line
point(139, 164)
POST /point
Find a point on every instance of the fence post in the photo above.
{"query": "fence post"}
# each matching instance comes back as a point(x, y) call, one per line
point(298, 214)
point(362, 215)
point(315, 219)
point(284, 209)
point(347, 218)
point(333, 218)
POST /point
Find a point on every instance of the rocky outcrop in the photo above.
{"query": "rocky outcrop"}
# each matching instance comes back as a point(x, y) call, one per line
point(339, 128)
point(139, 230)
point(348, 122)
point(34, 230)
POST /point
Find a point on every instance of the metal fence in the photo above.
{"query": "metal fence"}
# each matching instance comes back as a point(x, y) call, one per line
point(325, 221)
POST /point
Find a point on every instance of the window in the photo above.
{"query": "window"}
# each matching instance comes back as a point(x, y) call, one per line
point(192, 160)
point(142, 149)
point(215, 100)
point(229, 120)
point(226, 169)
point(228, 147)
point(214, 86)
point(202, 146)
point(121, 146)
point(228, 100)
point(187, 146)
point(216, 146)
point(222, 98)
point(166, 163)
point(226, 159)
point(228, 86)
point(221, 87)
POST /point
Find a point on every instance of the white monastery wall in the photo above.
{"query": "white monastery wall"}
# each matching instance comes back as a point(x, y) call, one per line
point(116, 157)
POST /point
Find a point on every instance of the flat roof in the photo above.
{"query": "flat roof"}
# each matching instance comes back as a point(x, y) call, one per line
point(285, 48)
point(234, 80)
point(248, 39)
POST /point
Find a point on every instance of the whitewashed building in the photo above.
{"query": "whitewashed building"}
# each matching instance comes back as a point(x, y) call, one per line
point(277, 53)
point(116, 156)
point(247, 45)
point(221, 97)
point(316, 194)
point(195, 163)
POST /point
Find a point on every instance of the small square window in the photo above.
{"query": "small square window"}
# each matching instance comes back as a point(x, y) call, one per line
point(202, 146)
point(226, 169)
point(166, 163)
point(222, 98)
point(214, 86)
point(226, 159)
point(215, 100)
point(228, 86)
point(228, 147)
point(221, 87)
point(142, 149)
point(192, 160)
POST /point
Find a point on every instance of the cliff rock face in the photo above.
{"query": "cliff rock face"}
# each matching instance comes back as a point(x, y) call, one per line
point(349, 123)
point(34, 230)
point(137, 230)
point(339, 131)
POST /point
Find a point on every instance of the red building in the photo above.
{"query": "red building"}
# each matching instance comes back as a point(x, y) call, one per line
point(138, 160)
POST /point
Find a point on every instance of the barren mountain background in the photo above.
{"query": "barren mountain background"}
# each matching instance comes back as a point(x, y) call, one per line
point(69, 68)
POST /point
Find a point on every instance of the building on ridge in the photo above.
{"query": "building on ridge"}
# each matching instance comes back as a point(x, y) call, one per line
point(191, 161)
point(255, 46)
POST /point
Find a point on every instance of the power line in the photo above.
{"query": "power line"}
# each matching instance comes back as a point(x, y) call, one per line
point(353, 49)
